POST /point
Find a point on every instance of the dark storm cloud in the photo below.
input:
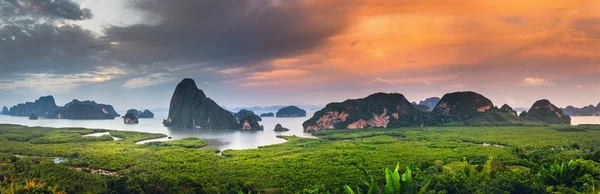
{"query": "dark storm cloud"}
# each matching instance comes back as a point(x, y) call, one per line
point(53, 9)
point(48, 47)
point(224, 32)
point(36, 37)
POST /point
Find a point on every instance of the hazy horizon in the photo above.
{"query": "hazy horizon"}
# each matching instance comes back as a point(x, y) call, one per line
point(132, 54)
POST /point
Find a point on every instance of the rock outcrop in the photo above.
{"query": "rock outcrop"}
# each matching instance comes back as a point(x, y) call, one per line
point(507, 109)
point(430, 103)
point(270, 114)
point(463, 105)
point(190, 108)
point(5, 111)
point(280, 128)
point(380, 110)
point(33, 117)
point(290, 111)
point(41, 107)
point(83, 110)
point(243, 113)
point(130, 118)
point(546, 112)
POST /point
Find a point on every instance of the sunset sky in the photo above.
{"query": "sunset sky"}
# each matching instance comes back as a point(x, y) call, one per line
point(132, 54)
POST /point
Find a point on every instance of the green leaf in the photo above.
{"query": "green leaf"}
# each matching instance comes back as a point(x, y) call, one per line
point(348, 189)
point(424, 186)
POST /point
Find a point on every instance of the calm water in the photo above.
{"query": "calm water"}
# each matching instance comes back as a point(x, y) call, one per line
point(218, 139)
point(585, 120)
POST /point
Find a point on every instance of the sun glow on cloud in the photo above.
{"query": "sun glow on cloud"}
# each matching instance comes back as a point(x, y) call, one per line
point(45, 82)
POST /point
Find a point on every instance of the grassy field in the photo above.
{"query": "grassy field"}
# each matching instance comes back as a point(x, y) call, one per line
point(453, 159)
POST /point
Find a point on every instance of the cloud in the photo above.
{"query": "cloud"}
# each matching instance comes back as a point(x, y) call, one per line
point(579, 86)
point(229, 34)
point(53, 83)
point(38, 36)
point(533, 81)
point(278, 74)
point(148, 80)
point(234, 70)
point(378, 80)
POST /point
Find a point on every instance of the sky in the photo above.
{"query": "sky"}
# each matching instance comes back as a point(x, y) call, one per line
point(132, 53)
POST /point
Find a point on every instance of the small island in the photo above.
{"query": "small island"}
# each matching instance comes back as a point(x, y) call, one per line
point(142, 115)
point(280, 128)
point(130, 118)
point(269, 114)
point(291, 111)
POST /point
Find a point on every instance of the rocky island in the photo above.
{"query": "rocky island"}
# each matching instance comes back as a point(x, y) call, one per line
point(270, 114)
point(33, 117)
point(47, 108)
point(544, 111)
point(280, 128)
point(590, 110)
point(380, 110)
point(146, 114)
point(383, 110)
point(5, 111)
point(243, 113)
point(290, 111)
point(40, 107)
point(83, 110)
point(191, 108)
point(463, 105)
point(130, 118)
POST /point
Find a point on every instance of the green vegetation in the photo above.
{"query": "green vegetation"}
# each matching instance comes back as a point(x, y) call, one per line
point(190, 142)
point(532, 159)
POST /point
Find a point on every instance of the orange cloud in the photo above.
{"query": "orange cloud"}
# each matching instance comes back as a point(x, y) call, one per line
point(277, 74)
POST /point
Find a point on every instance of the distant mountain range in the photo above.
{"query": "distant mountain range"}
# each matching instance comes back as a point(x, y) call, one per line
point(590, 110)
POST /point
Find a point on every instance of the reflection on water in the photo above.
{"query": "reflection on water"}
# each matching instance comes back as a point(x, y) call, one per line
point(218, 139)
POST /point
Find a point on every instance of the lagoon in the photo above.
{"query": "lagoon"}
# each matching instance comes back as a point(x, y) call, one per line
point(217, 139)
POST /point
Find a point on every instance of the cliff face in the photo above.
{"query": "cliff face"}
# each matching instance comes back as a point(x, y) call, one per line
point(83, 110)
point(290, 111)
point(463, 105)
point(40, 107)
point(190, 108)
point(378, 110)
point(544, 111)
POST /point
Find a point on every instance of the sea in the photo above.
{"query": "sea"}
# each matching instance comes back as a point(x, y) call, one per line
point(217, 139)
